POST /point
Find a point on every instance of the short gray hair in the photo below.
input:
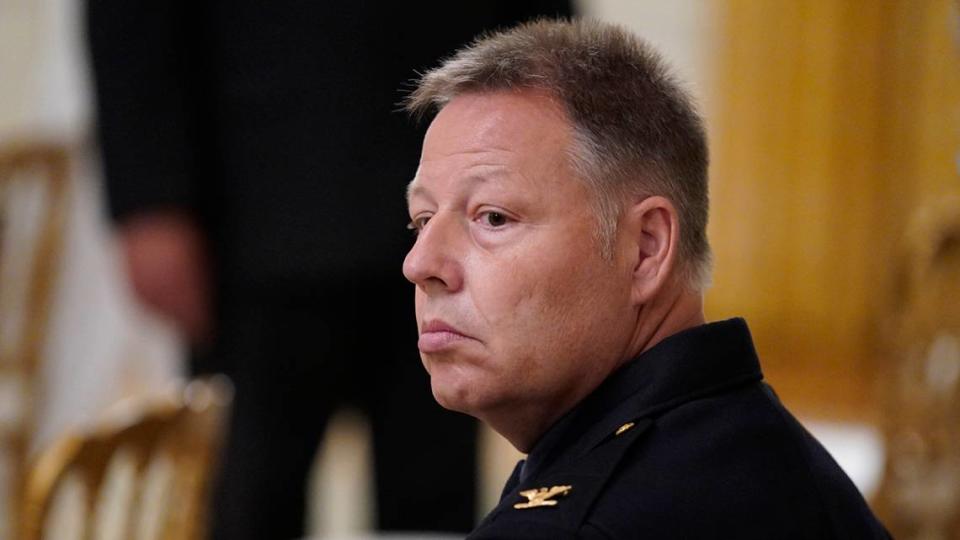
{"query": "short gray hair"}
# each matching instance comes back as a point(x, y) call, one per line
point(636, 131)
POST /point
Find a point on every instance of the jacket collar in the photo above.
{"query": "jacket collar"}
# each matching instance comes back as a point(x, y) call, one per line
point(687, 365)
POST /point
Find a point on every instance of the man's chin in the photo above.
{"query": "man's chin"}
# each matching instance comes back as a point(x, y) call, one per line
point(454, 392)
point(453, 399)
point(458, 382)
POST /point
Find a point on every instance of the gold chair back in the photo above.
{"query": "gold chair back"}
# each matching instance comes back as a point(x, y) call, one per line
point(184, 430)
point(33, 207)
point(920, 494)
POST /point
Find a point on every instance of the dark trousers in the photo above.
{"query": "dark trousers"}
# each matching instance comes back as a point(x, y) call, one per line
point(293, 362)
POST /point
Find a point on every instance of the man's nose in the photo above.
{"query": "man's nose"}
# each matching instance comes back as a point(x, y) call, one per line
point(431, 263)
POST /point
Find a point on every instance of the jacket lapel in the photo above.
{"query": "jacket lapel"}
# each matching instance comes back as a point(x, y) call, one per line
point(585, 474)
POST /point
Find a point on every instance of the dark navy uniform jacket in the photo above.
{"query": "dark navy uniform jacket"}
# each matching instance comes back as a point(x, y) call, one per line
point(685, 441)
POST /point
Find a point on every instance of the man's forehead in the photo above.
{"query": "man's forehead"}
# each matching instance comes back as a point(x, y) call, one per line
point(483, 136)
point(477, 174)
point(497, 120)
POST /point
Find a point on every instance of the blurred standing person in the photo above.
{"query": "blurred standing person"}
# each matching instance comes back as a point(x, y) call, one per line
point(256, 168)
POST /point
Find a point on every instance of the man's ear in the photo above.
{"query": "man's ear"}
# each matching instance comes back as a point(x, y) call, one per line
point(653, 233)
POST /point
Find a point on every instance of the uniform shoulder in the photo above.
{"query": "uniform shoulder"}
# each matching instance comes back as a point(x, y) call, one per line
point(736, 462)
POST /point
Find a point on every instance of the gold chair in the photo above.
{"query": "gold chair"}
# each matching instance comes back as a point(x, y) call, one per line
point(920, 494)
point(183, 430)
point(33, 203)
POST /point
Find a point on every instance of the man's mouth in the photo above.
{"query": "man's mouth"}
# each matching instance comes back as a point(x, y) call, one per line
point(437, 335)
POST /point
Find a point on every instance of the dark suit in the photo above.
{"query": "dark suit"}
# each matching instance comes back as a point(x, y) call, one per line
point(704, 450)
point(274, 124)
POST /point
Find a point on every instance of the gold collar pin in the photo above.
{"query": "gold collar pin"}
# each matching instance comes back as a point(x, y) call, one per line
point(624, 427)
point(542, 497)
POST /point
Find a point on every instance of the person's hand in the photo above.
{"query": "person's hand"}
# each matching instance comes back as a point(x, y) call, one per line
point(167, 264)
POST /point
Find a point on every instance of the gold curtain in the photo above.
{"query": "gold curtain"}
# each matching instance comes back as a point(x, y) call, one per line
point(833, 122)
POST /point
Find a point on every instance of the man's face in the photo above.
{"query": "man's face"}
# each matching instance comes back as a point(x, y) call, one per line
point(515, 306)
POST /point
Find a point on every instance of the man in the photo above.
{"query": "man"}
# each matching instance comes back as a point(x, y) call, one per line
point(561, 257)
point(255, 164)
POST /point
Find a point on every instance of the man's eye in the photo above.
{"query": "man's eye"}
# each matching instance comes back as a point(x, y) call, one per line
point(494, 219)
point(417, 224)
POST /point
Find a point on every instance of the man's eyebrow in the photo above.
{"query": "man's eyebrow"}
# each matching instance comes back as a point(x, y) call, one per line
point(415, 188)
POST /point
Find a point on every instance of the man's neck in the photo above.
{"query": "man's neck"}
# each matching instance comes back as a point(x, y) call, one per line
point(660, 320)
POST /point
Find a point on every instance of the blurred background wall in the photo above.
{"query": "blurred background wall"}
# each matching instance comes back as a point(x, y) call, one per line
point(837, 121)
point(833, 126)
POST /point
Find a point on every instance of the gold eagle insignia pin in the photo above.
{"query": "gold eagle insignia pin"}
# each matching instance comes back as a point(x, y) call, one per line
point(623, 428)
point(542, 496)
